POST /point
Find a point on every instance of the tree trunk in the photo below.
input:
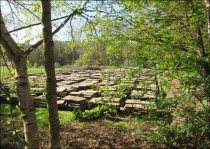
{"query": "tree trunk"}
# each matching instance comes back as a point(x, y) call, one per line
point(23, 88)
point(26, 103)
point(51, 95)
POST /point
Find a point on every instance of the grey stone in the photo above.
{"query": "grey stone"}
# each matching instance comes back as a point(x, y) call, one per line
point(75, 99)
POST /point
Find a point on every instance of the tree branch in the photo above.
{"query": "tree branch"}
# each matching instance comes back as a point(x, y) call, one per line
point(4, 59)
point(26, 9)
point(75, 12)
point(91, 23)
point(35, 24)
point(13, 13)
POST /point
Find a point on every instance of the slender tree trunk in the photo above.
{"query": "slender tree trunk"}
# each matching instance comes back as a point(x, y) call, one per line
point(51, 95)
point(26, 103)
point(23, 88)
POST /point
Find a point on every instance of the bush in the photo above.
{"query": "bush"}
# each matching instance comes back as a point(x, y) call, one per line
point(121, 125)
point(97, 112)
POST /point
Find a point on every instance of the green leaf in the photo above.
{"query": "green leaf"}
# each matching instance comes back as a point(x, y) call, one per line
point(8, 122)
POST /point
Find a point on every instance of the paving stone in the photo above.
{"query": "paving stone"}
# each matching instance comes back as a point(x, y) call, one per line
point(75, 99)
point(79, 93)
point(142, 106)
point(62, 94)
point(133, 101)
point(104, 82)
point(96, 76)
point(77, 106)
point(104, 101)
point(42, 85)
point(78, 79)
point(148, 86)
point(67, 88)
point(112, 88)
point(37, 91)
point(61, 88)
point(33, 77)
point(66, 82)
point(59, 78)
point(90, 93)
point(39, 98)
point(61, 102)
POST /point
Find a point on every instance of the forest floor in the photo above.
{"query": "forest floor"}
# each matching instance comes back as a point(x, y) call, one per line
point(103, 134)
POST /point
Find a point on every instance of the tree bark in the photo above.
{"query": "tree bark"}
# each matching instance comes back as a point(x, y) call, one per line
point(23, 88)
point(51, 95)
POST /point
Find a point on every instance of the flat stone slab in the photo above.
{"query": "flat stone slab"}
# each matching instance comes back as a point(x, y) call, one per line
point(66, 88)
point(140, 106)
point(138, 101)
point(39, 98)
point(96, 100)
point(62, 94)
point(96, 76)
point(142, 95)
point(75, 99)
point(147, 86)
point(78, 79)
point(66, 82)
point(61, 102)
point(91, 93)
point(61, 88)
point(37, 89)
point(77, 106)
point(79, 93)
point(133, 101)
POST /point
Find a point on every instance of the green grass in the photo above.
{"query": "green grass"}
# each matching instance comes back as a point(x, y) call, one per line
point(65, 117)
point(5, 74)
point(121, 125)
point(7, 136)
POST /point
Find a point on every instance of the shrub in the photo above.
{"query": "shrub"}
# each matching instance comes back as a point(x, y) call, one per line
point(97, 112)
point(121, 125)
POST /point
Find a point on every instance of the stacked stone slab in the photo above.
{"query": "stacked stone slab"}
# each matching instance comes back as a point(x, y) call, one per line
point(111, 102)
point(73, 102)
point(142, 98)
point(84, 90)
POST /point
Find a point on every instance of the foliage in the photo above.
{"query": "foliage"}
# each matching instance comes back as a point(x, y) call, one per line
point(97, 112)
point(183, 134)
point(65, 53)
point(121, 125)
point(11, 136)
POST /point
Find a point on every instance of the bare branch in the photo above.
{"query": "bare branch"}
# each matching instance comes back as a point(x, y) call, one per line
point(31, 48)
point(91, 23)
point(4, 59)
point(35, 24)
point(27, 9)
point(13, 11)
point(71, 29)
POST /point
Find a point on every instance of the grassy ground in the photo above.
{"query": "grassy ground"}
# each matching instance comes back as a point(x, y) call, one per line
point(74, 133)
point(5, 73)
point(11, 124)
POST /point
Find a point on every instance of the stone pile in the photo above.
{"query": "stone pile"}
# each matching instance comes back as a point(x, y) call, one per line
point(89, 88)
